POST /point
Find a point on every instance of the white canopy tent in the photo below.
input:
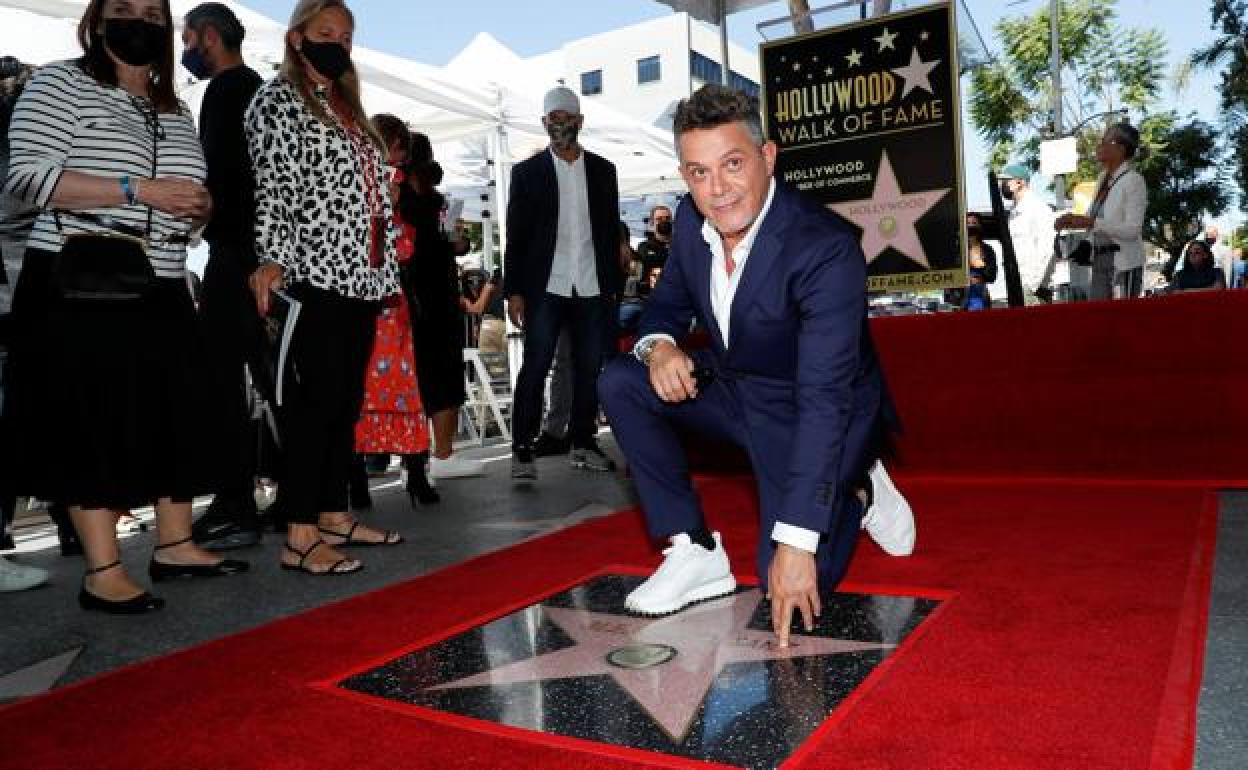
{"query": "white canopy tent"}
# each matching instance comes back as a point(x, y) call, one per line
point(482, 111)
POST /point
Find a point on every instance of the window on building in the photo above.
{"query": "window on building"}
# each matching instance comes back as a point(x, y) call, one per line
point(703, 68)
point(591, 83)
point(742, 83)
point(648, 70)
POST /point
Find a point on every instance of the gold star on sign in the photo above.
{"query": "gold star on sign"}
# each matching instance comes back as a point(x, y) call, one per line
point(828, 71)
point(854, 57)
point(924, 35)
point(797, 65)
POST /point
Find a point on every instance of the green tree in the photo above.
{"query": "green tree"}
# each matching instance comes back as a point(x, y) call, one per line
point(1106, 66)
point(1186, 181)
point(1230, 53)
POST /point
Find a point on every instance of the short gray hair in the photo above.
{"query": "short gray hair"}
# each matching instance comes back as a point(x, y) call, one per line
point(715, 105)
point(1127, 135)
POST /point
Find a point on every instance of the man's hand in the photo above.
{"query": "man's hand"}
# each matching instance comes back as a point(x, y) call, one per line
point(515, 310)
point(792, 585)
point(266, 278)
point(671, 373)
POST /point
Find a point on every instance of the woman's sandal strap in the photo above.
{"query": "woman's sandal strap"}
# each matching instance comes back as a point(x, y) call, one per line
point(106, 567)
point(333, 568)
point(175, 542)
point(346, 536)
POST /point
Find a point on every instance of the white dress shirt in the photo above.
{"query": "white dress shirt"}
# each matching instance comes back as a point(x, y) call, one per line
point(723, 290)
point(574, 270)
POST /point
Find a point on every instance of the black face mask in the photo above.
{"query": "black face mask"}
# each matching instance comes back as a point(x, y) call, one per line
point(663, 228)
point(562, 134)
point(197, 63)
point(1006, 192)
point(974, 231)
point(330, 59)
point(137, 42)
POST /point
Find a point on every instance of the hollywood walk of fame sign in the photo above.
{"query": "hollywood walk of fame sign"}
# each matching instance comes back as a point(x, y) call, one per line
point(876, 136)
point(709, 682)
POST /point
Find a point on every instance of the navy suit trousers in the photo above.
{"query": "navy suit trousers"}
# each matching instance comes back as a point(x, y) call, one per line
point(647, 430)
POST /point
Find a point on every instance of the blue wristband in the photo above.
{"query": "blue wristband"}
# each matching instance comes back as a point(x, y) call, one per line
point(127, 189)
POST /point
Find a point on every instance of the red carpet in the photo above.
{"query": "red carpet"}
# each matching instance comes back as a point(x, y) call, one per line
point(1059, 460)
point(1073, 639)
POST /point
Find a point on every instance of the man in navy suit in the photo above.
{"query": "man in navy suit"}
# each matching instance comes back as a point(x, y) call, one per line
point(791, 374)
point(561, 270)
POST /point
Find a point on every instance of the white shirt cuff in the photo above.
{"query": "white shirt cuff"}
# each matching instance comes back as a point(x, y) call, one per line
point(798, 537)
point(647, 338)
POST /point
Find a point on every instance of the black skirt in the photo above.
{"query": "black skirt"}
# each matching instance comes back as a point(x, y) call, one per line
point(105, 404)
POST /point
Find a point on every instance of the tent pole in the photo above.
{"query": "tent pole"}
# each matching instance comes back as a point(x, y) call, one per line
point(722, 7)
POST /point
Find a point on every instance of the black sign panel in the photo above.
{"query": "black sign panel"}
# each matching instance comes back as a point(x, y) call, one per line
point(866, 117)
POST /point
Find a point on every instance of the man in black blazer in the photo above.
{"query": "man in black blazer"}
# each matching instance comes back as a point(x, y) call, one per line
point(561, 269)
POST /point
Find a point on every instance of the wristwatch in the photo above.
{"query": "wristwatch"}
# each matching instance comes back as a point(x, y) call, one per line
point(645, 349)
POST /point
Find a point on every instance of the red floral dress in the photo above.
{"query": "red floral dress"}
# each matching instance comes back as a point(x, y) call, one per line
point(392, 420)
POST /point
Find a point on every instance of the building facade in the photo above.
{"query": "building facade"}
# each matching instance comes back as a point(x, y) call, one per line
point(643, 70)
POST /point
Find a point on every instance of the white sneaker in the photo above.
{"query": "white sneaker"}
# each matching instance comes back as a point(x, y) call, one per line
point(18, 577)
point(889, 521)
point(689, 573)
point(454, 467)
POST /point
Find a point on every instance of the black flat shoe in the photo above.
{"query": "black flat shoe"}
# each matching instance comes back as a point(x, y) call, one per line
point(159, 571)
point(135, 605)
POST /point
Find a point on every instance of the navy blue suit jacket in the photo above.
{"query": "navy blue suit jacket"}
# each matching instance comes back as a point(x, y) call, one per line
point(800, 355)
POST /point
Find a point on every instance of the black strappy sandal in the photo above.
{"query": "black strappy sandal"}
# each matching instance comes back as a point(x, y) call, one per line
point(135, 605)
point(333, 568)
point(388, 537)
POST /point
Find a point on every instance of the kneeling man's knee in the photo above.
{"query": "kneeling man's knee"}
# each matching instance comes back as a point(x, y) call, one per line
point(620, 380)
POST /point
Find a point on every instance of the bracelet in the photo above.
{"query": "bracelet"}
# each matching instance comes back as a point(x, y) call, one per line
point(129, 190)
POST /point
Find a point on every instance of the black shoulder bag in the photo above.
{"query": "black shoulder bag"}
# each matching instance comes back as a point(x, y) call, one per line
point(109, 266)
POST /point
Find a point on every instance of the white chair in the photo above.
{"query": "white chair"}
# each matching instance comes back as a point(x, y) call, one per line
point(488, 388)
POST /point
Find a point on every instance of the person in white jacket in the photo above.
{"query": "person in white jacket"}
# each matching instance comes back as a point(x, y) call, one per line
point(1115, 221)
point(1031, 229)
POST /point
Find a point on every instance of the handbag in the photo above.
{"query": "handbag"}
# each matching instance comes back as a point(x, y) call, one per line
point(109, 266)
point(105, 267)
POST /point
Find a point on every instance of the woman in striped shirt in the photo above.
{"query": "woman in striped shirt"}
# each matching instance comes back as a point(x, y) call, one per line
point(106, 413)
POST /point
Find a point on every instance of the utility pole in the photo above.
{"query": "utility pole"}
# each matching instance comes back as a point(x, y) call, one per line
point(1059, 181)
point(882, 7)
point(799, 11)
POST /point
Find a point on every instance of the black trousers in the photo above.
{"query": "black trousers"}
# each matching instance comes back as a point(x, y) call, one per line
point(323, 393)
point(585, 318)
point(233, 335)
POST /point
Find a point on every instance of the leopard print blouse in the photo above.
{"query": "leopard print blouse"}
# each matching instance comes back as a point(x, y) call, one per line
point(312, 211)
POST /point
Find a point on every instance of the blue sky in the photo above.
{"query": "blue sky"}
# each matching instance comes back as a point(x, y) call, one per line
point(433, 31)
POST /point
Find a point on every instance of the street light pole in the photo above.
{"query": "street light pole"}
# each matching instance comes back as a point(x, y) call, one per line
point(1059, 181)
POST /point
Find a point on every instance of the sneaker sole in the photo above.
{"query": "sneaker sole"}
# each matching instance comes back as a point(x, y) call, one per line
point(460, 475)
point(714, 590)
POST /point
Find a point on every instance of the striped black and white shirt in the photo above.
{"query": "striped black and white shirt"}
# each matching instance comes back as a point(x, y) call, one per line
point(67, 121)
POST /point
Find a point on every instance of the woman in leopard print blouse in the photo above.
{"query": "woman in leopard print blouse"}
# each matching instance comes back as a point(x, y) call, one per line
point(323, 229)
